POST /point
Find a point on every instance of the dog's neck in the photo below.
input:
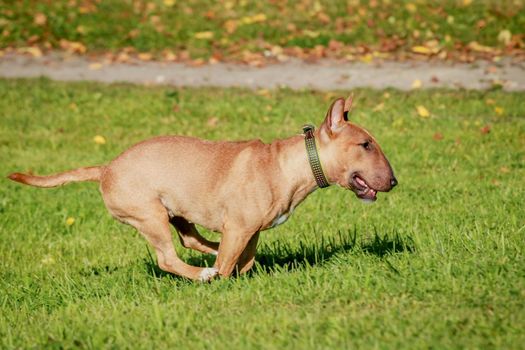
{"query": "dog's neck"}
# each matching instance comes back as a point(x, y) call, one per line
point(292, 160)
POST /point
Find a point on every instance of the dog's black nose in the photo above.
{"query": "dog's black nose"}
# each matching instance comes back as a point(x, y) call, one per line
point(393, 182)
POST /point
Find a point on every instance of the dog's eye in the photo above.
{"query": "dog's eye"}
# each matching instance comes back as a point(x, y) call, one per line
point(366, 145)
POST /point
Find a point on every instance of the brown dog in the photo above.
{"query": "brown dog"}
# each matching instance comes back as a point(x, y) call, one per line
point(236, 188)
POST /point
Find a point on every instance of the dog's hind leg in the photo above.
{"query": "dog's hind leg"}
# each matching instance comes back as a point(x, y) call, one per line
point(190, 237)
point(155, 228)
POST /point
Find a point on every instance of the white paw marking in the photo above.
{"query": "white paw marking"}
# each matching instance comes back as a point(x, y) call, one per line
point(208, 273)
point(214, 253)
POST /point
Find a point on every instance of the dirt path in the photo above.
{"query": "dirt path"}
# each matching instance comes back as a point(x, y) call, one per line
point(325, 75)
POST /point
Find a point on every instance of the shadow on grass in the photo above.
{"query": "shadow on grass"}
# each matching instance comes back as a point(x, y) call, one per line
point(309, 252)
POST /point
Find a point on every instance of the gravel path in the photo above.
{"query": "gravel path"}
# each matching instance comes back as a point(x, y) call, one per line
point(324, 75)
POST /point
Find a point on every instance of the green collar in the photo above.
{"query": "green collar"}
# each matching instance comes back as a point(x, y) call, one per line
point(313, 156)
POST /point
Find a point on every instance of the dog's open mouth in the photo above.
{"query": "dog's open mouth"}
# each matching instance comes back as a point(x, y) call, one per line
point(362, 190)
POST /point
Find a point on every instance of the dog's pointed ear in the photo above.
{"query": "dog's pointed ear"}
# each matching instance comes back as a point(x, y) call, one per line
point(335, 117)
point(348, 106)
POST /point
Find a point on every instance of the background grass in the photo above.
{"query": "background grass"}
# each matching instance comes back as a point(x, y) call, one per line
point(236, 26)
point(438, 262)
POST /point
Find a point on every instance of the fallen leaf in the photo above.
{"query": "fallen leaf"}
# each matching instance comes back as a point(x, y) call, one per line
point(422, 111)
point(145, 56)
point(379, 107)
point(169, 3)
point(490, 101)
point(212, 122)
point(485, 130)
point(423, 50)
point(438, 136)
point(475, 46)
point(95, 66)
point(504, 170)
point(434, 79)
point(416, 84)
point(70, 221)
point(411, 7)
point(72, 46)
point(33, 51)
point(204, 35)
point(40, 19)
point(47, 260)
point(505, 37)
point(467, 2)
point(230, 26)
point(100, 140)
point(499, 110)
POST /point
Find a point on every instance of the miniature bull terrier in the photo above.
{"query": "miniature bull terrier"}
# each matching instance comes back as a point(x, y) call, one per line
point(235, 188)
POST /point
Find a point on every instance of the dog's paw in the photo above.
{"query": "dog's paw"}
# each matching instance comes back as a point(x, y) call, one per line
point(208, 273)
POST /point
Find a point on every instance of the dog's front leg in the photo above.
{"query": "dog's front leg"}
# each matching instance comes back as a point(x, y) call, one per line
point(247, 258)
point(233, 244)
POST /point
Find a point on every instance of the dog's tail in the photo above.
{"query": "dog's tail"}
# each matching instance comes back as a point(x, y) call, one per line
point(81, 174)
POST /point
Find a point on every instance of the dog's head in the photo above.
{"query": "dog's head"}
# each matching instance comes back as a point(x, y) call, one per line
point(350, 156)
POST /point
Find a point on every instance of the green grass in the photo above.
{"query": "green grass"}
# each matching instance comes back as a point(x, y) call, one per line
point(437, 263)
point(153, 26)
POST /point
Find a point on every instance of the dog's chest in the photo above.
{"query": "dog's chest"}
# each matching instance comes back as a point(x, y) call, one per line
point(281, 218)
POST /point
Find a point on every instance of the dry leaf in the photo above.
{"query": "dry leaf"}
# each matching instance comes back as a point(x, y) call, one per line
point(212, 122)
point(422, 111)
point(204, 35)
point(379, 107)
point(40, 19)
point(95, 66)
point(99, 140)
point(145, 56)
point(485, 130)
point(505, 37)
point(416, 84)
point(230, 26)
point(169, 3)
point(475, 46)
point(504, 170)
point(411, 7)
point(438, 136)
point(33, 51)
point(422, 50)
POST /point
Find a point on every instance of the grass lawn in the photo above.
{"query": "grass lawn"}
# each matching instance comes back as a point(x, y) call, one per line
point(230, 29)
point(437, 263)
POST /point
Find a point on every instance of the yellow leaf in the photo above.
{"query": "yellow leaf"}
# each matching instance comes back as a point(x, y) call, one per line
point(145, 56)
point(100, 140)
point(422, 50)
point(169, 3)
point(70, 221)
point(33, 51)
point(48, 260)
point(499, 110)
point(505, 37)
point(475, 46)
point(260, 17)
point(204, 35)
point(422, 111)
point(40, 19)
point(467, 2)
point(411, 7)
point(416, 84)
point(95, 66)
point(310, 33)
point(230, 26)
point(379, 107)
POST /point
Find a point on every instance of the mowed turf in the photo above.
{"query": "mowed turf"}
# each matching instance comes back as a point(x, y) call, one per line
point(438, 262)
